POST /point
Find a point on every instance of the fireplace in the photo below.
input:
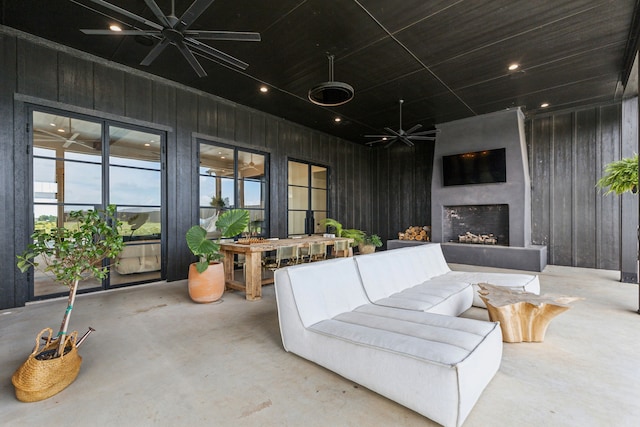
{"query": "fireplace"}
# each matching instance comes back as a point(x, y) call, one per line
point(480, 220)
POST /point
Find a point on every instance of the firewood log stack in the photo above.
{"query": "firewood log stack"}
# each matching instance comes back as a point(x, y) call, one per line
point(420, 233)
point(483, 239)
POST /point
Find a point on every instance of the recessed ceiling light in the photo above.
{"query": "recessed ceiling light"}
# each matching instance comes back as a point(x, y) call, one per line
point(146, 144)
point(264, 89)
point(115, 28)
point(52, 124)
point(222, 157)
point(60, 130)
point(544, 105)
point(514, 67)
point(337, 120)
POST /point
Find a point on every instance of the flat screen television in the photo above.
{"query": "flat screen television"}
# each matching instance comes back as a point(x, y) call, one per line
point(478, 167)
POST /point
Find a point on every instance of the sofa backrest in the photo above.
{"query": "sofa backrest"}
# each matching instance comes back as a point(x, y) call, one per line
point(387, 272)
point(323, 289)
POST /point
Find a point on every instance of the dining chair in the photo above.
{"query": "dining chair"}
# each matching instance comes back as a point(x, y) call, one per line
point(341, 248)
point(317, 251)
point(285, 255)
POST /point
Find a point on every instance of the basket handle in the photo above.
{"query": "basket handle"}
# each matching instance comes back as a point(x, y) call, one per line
point(36, 349)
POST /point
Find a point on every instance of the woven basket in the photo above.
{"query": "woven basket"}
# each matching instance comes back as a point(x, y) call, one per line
point(37, 379)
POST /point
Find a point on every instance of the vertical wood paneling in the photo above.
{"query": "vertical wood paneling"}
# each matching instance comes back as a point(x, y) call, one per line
point(242, 126)
point(226, 120)
point(609, 206)
point(258, 130)
point(9, 286)
point(37, 70)
point(568, 152)
point(138, 97)
point(108, 90)
point(75, 81)
point(584, 222)
point(207, 115)
point(562, 199)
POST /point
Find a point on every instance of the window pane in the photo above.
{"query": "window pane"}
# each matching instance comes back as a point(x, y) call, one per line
point(318, 177)
point(256, 222)
point(318, 199)
point(82, 182)
point(68, 137)
point(216, 161)
point(296, 222)
point(251, 194)
point(134, 148)
point(134, 186)
point(298, 198)
point(319, 217)
point(140, 222)
point(298, 174)
point(250, 165)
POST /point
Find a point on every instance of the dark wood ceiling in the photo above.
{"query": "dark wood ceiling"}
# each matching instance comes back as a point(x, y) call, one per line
point(447, 59)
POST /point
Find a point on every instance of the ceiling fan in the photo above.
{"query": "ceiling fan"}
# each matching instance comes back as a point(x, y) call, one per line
point(250, 165)
point(175, 31)
point(406, 136)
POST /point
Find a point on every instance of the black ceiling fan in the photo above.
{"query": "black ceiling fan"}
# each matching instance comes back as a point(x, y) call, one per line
point(406, 136)
point(174, 30)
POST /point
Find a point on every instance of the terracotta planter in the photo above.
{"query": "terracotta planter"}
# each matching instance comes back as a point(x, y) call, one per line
point(207, 286)
point(366, 249)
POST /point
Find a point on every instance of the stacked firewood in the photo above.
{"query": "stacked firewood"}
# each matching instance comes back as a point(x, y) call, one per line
point(420, 233)
point(482, 239)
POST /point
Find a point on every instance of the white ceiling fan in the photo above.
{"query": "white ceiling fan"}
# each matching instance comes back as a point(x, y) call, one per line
point(406, 136)
point(175, 30)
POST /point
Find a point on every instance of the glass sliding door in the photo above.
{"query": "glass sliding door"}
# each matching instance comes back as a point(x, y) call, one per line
point(231, 177)
point(80, 163)
point(135, 188)
point(308, 187)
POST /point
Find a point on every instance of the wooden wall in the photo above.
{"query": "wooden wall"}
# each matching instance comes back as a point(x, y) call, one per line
point(34, 71)
point(567, 153)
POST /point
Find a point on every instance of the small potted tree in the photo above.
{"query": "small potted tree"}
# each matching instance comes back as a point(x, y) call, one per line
point(69, 254)
point(206, 277)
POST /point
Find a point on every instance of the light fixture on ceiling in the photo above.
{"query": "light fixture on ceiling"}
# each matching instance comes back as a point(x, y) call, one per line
point(337, 119)
point(331, 93)
point(513, 67)
point(115, 28)
point(264, 89)
point(544, 105)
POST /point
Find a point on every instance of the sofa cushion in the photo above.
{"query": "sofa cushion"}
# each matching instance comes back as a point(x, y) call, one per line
point(442, 297)
point(387, 272)
point(323, 289)
point(519, 282)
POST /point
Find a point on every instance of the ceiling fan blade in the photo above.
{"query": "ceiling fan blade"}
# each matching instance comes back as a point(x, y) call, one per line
point(407, 141)
point(191, 14)
point(128, 14)
point(153, 54)
point(162, 18)
point(422, 138)
point(376, 136)
point(427, 132)
point(393, 132)
point(192, 59)
point(120, 33)
point(240, 36)
point(71, 140)
point(393, 140)
point(413, 129)
point(205, 48)
point(370, 143)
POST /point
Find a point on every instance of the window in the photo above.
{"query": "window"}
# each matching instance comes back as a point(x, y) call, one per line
point(232, 178)
point(308, 187)
point(82, 163)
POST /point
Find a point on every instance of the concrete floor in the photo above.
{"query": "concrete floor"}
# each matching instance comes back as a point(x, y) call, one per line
point(156, 358)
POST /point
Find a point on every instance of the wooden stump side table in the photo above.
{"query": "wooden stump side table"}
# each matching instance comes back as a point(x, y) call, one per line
point(523, 316)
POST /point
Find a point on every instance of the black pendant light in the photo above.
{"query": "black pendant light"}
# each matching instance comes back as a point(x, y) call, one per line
point(331, 93)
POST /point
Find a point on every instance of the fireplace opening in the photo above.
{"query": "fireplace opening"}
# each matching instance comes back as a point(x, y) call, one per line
point(476, 224)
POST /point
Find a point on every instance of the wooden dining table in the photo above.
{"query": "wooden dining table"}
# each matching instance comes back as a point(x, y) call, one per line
point(252, 285)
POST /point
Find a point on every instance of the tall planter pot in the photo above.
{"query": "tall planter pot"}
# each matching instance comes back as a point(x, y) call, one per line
point(366, 249)
point(207, 286)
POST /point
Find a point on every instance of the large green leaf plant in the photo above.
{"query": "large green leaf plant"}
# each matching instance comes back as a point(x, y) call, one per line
point(229, 224)
point(74, 253)
point(620, 176)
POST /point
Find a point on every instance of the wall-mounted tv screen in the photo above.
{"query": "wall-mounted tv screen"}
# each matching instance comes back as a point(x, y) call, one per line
point(479, 167)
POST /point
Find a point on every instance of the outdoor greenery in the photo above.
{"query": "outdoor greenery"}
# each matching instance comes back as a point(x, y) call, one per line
point(372, 239)
point(74, 253)
point(620, 176)
point(358, 236)
point(229, 224)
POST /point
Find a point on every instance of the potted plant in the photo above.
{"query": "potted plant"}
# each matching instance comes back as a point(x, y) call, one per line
point(69, 254)
point(206, 277)
point(620, 176)
point(369, 243)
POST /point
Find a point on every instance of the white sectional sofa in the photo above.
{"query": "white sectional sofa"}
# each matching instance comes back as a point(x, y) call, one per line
point(388, 321)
